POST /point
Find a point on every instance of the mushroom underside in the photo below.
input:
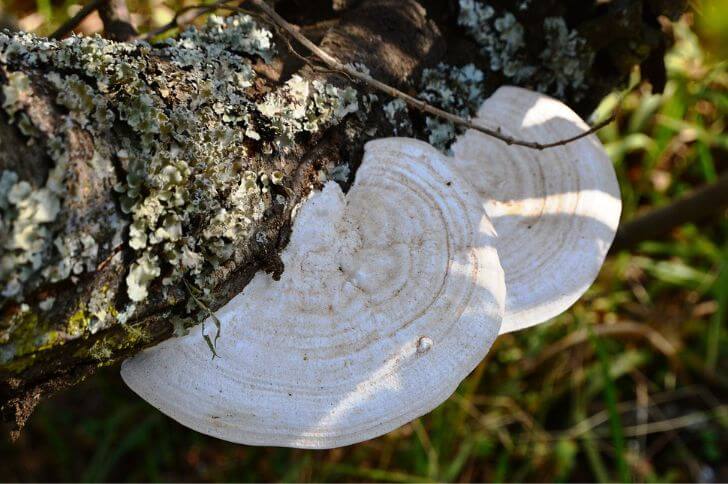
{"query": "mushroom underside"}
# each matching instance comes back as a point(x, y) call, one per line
point(391, 295)
point(394, 292)
point(555, 211)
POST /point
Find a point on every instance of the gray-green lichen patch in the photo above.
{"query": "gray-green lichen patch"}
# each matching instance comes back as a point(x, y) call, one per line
point(560, 66)
point(223, 39)
point(398, 117)
point(16, 89)
point(187, 123)
point(78, 253)
point(304, 105)
point(25, 238)
point(458, 90)
point(567, 60)
point(85, 108)
point(501, 37)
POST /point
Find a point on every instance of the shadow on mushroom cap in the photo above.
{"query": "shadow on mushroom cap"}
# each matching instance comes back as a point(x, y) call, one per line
point(555, 211)
point(391, 295)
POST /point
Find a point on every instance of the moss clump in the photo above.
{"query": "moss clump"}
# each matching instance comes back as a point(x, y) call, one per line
point(78, 322)
point(25, 334)
point(103, 349)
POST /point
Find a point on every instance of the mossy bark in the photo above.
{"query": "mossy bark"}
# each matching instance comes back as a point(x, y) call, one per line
point(58, 346)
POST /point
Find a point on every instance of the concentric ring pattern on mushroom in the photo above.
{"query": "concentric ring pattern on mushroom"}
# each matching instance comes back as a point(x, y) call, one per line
point(393, 292)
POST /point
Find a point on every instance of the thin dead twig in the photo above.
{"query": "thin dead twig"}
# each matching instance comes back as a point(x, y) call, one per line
point(625, 328)
point(114, 15)
point(335, 64)
point(186, 15)
point(73, 22)
point(118, 24)
point(352, 73)
point(703, 203)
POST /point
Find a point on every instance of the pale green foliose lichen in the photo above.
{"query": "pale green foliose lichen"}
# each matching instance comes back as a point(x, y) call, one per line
point(81, 101)
point(223, 38)
point(142, 272)
point(559, 68)
point(458, 90)
point(501, 37)
point(184, 121)
point(15, 91)
point(47, 304)
point(25, 214)
point(304, 105)
point(78, 253)
point(398, 117)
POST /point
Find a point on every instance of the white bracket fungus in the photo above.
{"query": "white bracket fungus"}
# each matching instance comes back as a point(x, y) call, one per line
point(555, 211)
point(394, 292)
point(391, 295)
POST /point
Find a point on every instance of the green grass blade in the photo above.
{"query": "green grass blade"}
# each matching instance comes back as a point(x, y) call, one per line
point(720, 318)
point(615, 421)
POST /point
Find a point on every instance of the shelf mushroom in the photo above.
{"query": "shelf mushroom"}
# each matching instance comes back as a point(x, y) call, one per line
point(391, 295)
point(555, 211)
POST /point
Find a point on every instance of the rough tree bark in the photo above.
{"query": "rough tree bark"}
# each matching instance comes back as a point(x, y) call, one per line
point(73, 312)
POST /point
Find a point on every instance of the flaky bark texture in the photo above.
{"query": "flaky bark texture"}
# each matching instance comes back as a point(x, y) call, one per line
point(144, 186)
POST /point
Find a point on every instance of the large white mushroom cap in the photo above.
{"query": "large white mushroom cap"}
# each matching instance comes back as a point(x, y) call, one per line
point(390, 296)
point(555, 211)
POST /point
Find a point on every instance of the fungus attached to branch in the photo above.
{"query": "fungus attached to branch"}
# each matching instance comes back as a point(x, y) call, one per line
point(391, 295)
point(555, 211)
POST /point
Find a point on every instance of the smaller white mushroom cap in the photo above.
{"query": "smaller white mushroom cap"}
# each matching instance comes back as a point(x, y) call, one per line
point(390, 296)
point(555, 211)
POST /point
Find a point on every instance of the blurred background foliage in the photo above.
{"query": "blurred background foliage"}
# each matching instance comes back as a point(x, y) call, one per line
point(630, 384)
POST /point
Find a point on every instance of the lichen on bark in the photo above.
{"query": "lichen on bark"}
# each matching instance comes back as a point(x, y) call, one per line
point(133, 175)
point(144, 172)
point(188, 187)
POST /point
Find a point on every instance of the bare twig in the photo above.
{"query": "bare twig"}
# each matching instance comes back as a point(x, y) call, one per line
point(704, 203)
point(335, 64)
point(114, 15)
point(185, 16)
point(190, 13)
point(212, 344)
point(670, 424)
point(624, 328)
point(117, 21)
point(115, 250)
point(74, 21)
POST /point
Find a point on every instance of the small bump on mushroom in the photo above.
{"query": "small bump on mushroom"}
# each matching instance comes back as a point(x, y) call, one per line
point(425, 258)
point(424, 344)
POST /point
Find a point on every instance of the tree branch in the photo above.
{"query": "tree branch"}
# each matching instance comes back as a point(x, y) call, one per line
point(351, 71)
point(114, 15)
point(702, 204)
point(117, 21)
point(190, 13)
point(33, 368)
point(74, 21)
